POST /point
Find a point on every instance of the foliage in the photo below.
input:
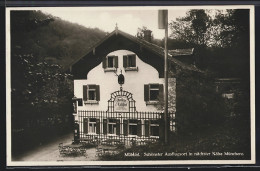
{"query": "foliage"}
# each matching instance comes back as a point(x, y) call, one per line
point(227, 137)
point(41, 46)
point(140, 32)
point(193, 28)
point(223, 53)
point(198, 105)
point(234, 26)
point(41, 91)
point(51, 38)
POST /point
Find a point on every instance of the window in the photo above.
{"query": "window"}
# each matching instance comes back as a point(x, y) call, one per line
point(154, 128)
point(129, 62)
point(92, 125)
point(132, 127)
point(110, 63)
point(91, 93)
point(152, 92)
point(112, 126)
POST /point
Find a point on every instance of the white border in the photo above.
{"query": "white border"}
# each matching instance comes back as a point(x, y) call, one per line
point(150, 162)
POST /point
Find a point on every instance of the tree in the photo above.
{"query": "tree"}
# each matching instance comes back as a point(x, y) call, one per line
point(198, 105)
point(222, 50)
point(234, 27)
point(192, 28)
point(40, 90)
point(141, 32)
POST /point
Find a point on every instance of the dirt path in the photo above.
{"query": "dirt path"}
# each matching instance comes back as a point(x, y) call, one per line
point(50, 152)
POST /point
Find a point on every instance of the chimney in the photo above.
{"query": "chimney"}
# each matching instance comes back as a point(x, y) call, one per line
point(148, 35)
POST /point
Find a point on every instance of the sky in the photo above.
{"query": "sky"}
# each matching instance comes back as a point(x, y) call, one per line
point(128, 19)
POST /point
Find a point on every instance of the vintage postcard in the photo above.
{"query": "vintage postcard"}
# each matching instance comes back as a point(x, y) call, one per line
point(130, 85)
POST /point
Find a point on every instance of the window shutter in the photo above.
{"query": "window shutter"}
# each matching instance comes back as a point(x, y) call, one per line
point(85, 91)
point(139, 128)
point(161, 128)
point(85, 125)
point(117, 127)
point(161, 90)
point(147, 128)
point(80, 102)
point(134, 60)
point(146, 92)
point(125, 61)
point(98, 126)
point(97, 93)
point(104, 126)
point(104, 62)
point(116, 61)
point(125, 122)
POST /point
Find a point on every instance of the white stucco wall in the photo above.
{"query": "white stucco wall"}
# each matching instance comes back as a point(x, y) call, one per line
point(134, 83)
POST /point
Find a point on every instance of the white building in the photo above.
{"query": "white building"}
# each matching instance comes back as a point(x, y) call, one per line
point(107, 111)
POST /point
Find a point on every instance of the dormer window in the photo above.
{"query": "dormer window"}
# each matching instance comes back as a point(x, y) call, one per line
point(129, 62)
point(110, 63)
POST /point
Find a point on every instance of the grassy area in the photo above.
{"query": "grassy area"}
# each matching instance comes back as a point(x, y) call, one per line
point(228, 141)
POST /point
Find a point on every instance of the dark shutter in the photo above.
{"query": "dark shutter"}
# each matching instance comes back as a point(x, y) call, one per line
point(161, 90)
point(85, 91)
point(116, 61)
point(146, 92)
point(125, 122)
point(134, 61)
point(85, 125)
point(104, 126)
point(104, 62)
point(117, 127)
point(125, 61)
point(80, 102)
point(147, 128)
point(98, 126)
point(97, 93)
point(161, 128)
point(139, 128)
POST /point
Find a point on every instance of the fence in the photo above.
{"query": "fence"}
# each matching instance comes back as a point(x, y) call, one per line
point(128, 128)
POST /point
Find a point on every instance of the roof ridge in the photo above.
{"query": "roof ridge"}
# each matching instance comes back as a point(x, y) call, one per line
point(159, 51)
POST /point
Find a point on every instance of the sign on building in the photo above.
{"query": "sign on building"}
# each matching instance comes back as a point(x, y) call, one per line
point(121, 104)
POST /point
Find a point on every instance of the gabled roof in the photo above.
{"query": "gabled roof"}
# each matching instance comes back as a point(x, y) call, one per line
point(149, 46)
point(160, 50)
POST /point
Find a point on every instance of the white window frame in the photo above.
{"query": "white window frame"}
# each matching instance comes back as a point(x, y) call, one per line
point(131, 68)
point(113, 126)
point(107, 69)
point(93, 124)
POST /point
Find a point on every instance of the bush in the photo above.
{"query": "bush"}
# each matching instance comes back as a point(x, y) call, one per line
point(198, 105)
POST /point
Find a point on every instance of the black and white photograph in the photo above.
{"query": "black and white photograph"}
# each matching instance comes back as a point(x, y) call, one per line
point(130, 85)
